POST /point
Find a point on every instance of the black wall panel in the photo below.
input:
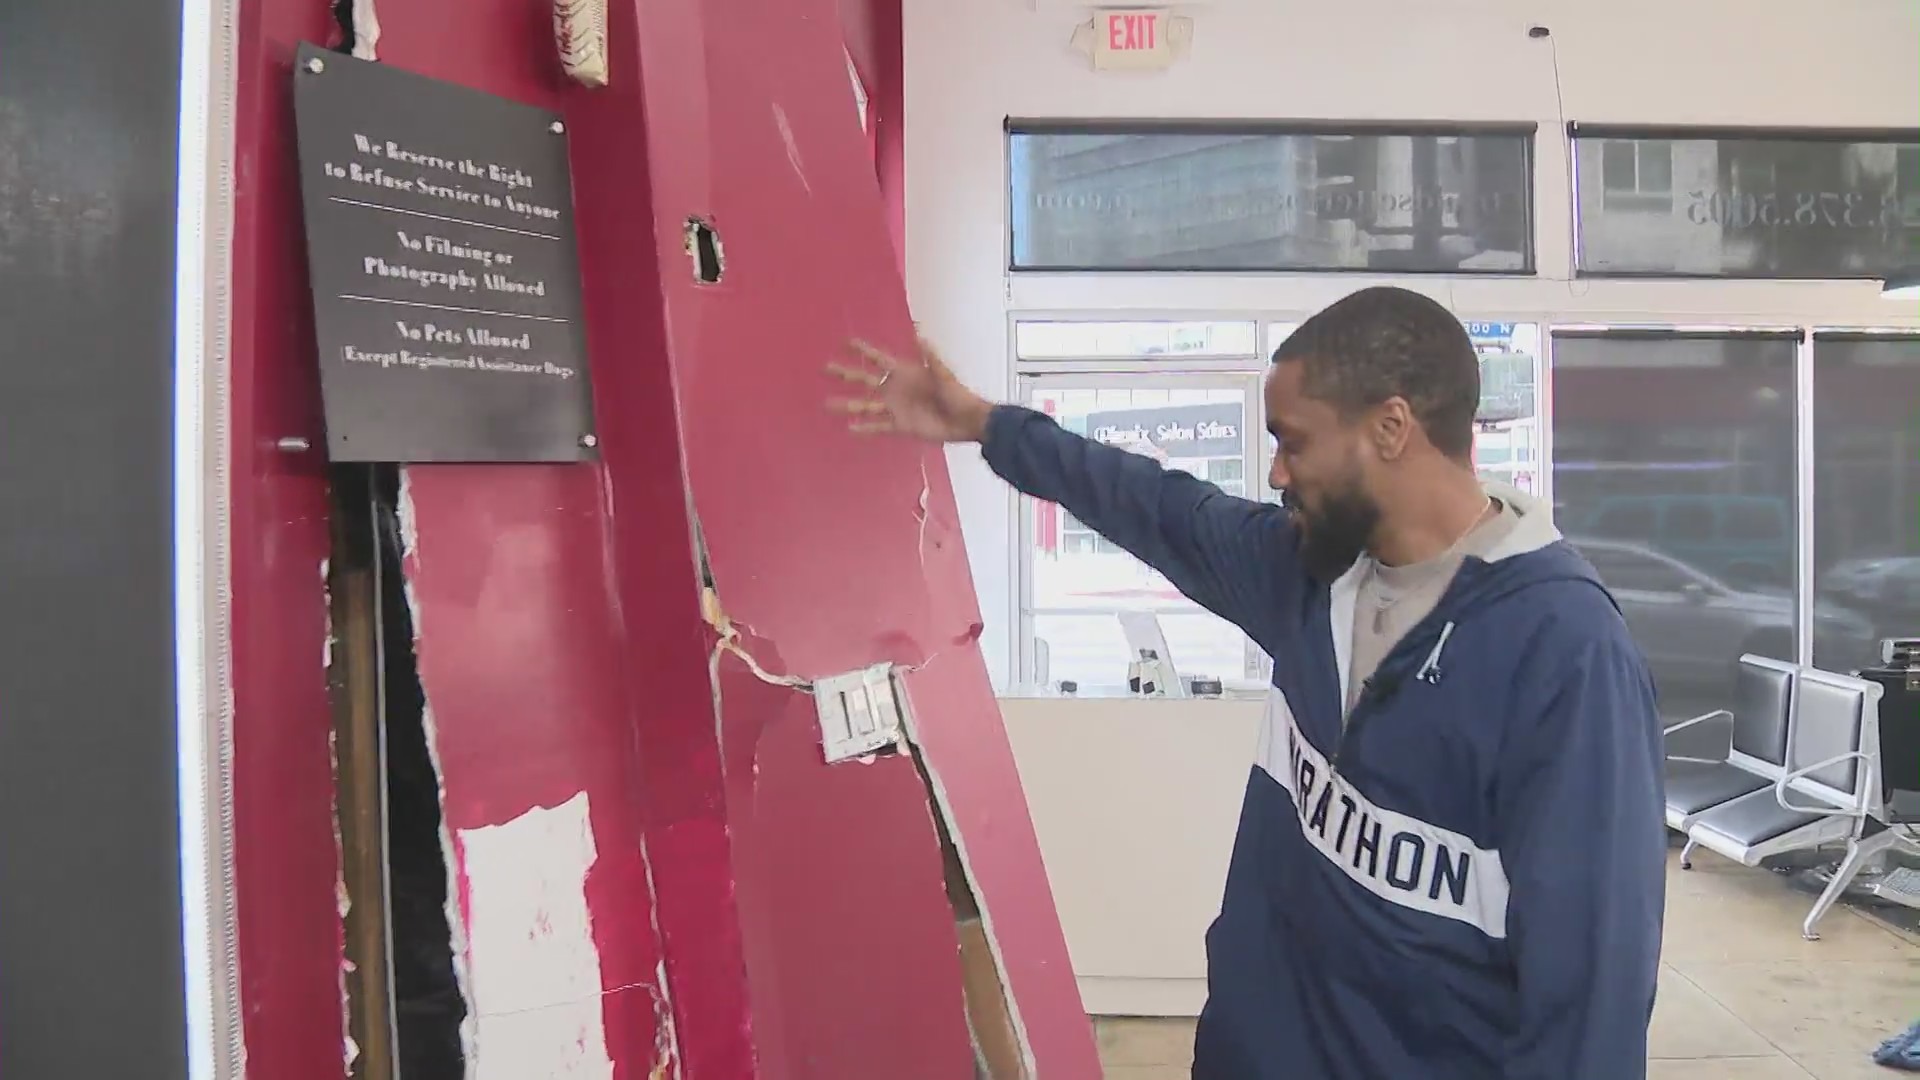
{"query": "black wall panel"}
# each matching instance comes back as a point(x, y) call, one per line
point(90, 951)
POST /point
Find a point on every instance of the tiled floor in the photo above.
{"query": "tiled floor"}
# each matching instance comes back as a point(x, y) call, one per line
point(1742, 996)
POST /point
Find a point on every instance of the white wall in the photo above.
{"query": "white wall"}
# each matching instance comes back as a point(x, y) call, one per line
point(970, 64)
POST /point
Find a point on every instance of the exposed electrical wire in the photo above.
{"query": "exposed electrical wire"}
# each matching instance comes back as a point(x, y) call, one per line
point(729, 642)
point(1559, 86)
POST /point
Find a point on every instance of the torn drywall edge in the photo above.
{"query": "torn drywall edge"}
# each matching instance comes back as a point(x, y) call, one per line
point(366, 31)
point(343, 899)
point(666, 1031)
point(943, 807)
point(710, 610)
point(326, 637)
point(923, 512)
point(456, 917)
point(449, 849)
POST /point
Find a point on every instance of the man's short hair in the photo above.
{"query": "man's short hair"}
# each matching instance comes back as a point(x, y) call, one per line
point(1385, 342)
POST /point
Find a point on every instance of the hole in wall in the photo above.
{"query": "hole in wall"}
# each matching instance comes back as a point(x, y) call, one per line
point(343, 18)
point(703, 247)
point(428, 1006)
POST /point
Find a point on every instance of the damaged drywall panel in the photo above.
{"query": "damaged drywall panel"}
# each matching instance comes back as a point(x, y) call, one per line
point(519, 652)
point(651, 570)
point(820, 545)
point(522, 656)
point(841, 897)
point(835, 872)
point(539, 687)
point(559, 643)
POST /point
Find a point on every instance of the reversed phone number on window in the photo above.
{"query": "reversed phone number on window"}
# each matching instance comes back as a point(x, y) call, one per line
point(1823, 209)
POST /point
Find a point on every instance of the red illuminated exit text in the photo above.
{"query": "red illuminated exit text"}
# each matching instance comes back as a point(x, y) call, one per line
point(1133, 31)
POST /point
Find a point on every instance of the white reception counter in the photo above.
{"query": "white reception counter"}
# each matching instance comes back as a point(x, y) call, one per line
point(1135, 802)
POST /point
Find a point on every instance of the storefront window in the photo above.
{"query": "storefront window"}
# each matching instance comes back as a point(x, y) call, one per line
point(1078, 582)
point(1866, 469)
point(1233, 197)
point(1506, 448)
point(1746, 205)
point(1674, 473)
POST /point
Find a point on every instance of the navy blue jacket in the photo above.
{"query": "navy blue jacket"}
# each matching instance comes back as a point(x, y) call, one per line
point(1465, 879)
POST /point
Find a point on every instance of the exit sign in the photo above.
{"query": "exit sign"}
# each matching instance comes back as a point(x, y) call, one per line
point(1132, 38)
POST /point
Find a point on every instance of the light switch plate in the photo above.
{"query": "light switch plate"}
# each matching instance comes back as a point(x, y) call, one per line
point(861, 712)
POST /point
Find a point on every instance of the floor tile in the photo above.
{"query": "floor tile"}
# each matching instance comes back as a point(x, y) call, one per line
point(1742, 996)
point(1854, 1066)
point(1145, 1041)
point(1149, 1072)
point(1733, 914)
point(1688, 1024)
point(1839, 1008)
point(1752, 1068)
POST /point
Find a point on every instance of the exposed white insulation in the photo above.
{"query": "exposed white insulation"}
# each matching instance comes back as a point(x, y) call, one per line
point(580, 33)
point(366, 31)
point(326, 639)
point(534, 967)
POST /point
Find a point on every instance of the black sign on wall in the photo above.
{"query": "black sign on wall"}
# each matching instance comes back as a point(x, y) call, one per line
point(446, 283)
point(91, 951)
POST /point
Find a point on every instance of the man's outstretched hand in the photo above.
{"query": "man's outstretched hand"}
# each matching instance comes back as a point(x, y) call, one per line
point(918, 397)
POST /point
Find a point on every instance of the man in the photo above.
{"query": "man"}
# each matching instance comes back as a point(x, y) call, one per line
point(1450, 862)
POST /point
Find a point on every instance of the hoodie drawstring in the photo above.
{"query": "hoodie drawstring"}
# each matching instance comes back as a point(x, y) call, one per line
point(1429, 672)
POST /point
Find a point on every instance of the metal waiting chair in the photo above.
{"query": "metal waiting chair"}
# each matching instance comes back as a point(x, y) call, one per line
point(1754, 734)
point(1830, 792)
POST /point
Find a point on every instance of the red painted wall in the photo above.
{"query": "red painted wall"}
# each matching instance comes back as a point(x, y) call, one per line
point(872, 29)
point(797, 910)
point(287, 858)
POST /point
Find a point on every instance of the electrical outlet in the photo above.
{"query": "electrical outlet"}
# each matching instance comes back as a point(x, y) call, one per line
point(861, 712)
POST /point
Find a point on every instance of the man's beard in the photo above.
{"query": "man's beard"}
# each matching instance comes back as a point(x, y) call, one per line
point(1334, 535)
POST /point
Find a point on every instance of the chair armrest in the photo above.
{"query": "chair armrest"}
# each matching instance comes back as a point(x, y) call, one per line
point(1714, 730)
point(1781, 786)
point(1716, 714)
